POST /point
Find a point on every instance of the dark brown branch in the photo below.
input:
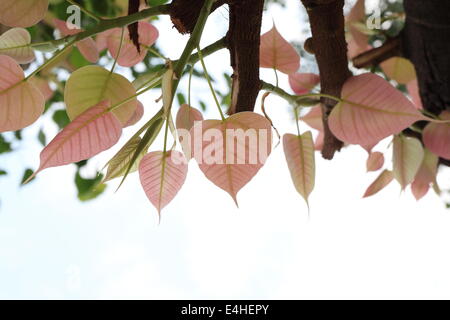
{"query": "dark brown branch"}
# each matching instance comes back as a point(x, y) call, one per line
point(184, 13)
point(391, 48)
point(243, 43)
point(330, 48)
point(133, 7)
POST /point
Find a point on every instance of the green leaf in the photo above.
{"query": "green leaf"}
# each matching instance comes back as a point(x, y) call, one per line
point(26, 175)
point(89, 189)
point(181, 99)
point(61, 118)
point(5, 146)
point(42, 138)
point(3, 173)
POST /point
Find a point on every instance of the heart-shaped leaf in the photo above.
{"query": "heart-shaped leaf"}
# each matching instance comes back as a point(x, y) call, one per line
point(22, 13)
point(436, 137)
point(129, 55)
point(299, 152)
point(383, 180)
point(90, 85)
point(371, 110)
point(276, 52)
point(399, 69)
point(302, 83)
point(87, 47)
point(21, 103)
point(231, 152)
point(408, 156)
point(162, 175)
point(375, 161)
point(425, 176)
point(137, 115)
point(92, 132)
point(16, 44)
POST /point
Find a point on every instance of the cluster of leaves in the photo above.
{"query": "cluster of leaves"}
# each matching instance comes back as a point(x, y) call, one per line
point(99, 103)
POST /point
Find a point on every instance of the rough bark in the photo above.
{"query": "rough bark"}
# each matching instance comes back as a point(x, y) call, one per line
point(330, 48)
point(243, 43)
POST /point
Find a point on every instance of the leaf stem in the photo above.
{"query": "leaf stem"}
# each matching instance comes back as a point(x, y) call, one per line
point(46, 63)
point(86, 11)
point(118, 51)
point(210, 84)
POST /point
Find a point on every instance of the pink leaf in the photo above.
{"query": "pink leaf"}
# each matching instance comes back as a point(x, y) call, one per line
point(299, 152)
point(129, 55)
point(162, 176)
point(16, 43)
point(22, 13)
point(357, 40)
point(408, 156)
point(185, 120)
point(21, 103)
point(276, 52)
point(230, 159)
point(43, 87)
point(137, 115)
point(413, 89)
point(187, 116)
point(101, 41)
point(375, 161)
point(425, 176)
point(302, 83)
point(436, 137)
point(318, 143)
point(92, 132)
point(314, 118)
point(87, 47)
point(371, 110)
point(383, 180)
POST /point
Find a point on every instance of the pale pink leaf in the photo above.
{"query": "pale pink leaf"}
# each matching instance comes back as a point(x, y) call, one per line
point(399, 69)
point(276, 52)
point(187, 116)
point(101, 41)
point(436, 137)
point(162, 175)
point(413, 89)
point(371, 110)
point(425, 176)
point(314, 118)
point(357, 40)
point(408, 156)
point(129, 55)
point(231, 160)
point(43, 87)
point(383, 180)
point(375, 161)
point(299, 153)
point(302, 83)
point(137, 115)
point(16, 44)
point(21, 103)
point(22, 13)
point(318, 143)
point(92, 132)
point(87, 47)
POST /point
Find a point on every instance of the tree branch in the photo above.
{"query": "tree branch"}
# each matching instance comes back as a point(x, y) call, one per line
point(330, 48)
point(374, 57)
point(243, 42)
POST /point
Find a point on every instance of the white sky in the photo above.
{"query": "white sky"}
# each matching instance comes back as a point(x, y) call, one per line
point(387, 246)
